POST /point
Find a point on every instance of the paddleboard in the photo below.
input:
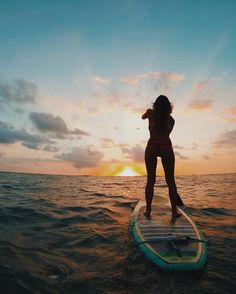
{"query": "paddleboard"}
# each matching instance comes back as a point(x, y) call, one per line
point(176, 245)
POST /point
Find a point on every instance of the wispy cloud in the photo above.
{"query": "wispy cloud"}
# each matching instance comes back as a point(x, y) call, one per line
point(82, 157)
point(169, 76)
point(135, 153)
point(231, 110)
point(18, 91)
point(203, 94)
point(194, 147)
point(107, 142)
point(131, 107)
point(230, 119)
point(101, 80)
point(180, 156)
point(46, 122)
point(199, 105)
point(10, 135)
point(103, 101)
point(178, 147)
point(113, 98)
point(206, 87)
point(226, 140)
point(206, 157)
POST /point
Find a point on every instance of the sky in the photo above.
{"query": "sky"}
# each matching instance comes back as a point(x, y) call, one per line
point(76, 76)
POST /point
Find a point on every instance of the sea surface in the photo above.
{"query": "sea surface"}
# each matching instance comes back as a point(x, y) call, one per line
point(68, 234)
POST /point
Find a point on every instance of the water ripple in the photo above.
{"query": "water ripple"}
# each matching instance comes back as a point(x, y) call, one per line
point(58, 236)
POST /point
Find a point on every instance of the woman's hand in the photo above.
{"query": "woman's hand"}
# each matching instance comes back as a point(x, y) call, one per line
point(147, 113)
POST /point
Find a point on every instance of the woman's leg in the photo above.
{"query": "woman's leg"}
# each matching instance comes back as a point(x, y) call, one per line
point(151, 164)
point(168, 162)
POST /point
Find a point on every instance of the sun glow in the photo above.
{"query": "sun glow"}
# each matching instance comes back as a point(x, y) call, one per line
point(127, 171)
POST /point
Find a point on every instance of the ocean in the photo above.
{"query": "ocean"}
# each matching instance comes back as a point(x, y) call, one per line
point(69, 234)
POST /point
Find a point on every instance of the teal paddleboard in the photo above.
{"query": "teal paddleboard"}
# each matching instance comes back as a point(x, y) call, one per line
point(170, 244)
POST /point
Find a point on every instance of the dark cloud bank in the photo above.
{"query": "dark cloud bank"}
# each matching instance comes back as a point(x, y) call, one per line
point(18, 91)
point(46, 122)
point(135, 153)
point(82, 157)
point(226, 140)
point(10, 135)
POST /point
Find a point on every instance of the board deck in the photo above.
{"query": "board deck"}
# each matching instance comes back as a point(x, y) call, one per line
point(171, 245)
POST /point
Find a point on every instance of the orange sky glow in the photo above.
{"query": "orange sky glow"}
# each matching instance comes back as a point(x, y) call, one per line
point(72, 95)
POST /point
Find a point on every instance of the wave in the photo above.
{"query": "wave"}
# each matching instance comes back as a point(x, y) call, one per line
point(217, 211)
point(59, 234)
point(209, 211)
point(128, 204)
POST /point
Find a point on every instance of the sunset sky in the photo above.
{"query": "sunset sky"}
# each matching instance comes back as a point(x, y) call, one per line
point(76, 76)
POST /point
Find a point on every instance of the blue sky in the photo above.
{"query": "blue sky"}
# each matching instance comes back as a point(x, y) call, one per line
point(83, 55)
point(183, 32)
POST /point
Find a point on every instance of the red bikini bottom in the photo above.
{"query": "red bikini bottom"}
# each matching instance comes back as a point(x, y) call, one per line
point(158, 146)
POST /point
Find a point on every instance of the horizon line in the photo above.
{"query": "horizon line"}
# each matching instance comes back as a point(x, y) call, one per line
point(86, 175)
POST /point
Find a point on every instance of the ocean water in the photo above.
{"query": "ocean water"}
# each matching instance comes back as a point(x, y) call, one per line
point(67, 234)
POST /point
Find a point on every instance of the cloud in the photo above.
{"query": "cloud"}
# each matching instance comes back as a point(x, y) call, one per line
point(180, 156)
point(10, 135)
point(232, 120)
point(231, 110)
point(226, 140)
point(82, 157)
point(18, 91)
point(194, 147)
point(109, 99)
point(178, 147)
point(135, 153)
point(46, 122)
point(133, 79)
point(123, 145)
point(101, 101)
point(113, 99)
point(202, 91)
point(199, 105)
point(102, 80)
point(19, 110)
point(168, 76)
point(206, 84)
point(107, 142)
point(114, 160)
point(203, 85)
point(129, 106)
point(206, 157)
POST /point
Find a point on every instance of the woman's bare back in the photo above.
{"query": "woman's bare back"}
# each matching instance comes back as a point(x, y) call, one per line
point(154, 134)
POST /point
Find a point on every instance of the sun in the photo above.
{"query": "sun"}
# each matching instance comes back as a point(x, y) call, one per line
point(127, 171)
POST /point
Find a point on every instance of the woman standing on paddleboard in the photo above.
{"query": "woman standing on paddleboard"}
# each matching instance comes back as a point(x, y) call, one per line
point(159, 144)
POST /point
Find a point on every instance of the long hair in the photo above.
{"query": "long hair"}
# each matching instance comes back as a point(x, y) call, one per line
point(162, 108)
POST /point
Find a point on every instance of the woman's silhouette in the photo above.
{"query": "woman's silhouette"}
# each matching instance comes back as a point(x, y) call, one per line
point(159, 144)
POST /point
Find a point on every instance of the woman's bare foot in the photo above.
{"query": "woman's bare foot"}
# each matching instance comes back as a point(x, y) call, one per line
point(147, 214)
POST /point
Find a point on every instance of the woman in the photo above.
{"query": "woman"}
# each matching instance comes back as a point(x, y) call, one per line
point(159, 144)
